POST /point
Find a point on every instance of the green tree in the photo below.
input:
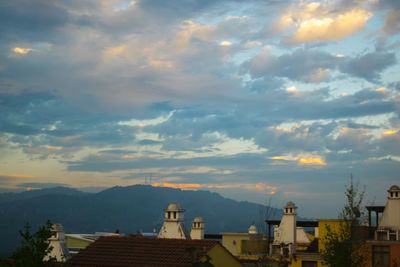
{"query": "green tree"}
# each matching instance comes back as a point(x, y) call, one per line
point(34, 247)
point(343, 248)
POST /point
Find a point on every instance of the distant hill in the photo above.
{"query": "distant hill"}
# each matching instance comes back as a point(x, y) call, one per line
point(4, 197)
point(127, 209)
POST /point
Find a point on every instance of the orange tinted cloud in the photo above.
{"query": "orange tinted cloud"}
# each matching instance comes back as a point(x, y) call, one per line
point(17, 176)
point(21, 50)
point(115, 51)
point(270, 189)
point(389, 133)
point(178, 186)
point(317, 161)
point(314, 22)
point(266, 187)
point(325, 29)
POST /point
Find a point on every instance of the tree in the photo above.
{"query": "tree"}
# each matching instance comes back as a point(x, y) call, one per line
point(265, 212)
point(343, 248)
point(34, 247)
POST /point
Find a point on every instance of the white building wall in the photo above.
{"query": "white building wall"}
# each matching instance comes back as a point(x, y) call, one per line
point(172, 230)
point(286, 232)
point(391, 215)
point(301, 236)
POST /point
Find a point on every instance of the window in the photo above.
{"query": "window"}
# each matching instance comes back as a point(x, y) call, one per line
point(392, 236)
point(380, 256)
point(174, 214)
point(309, 264)
point(382, 235)
point(169, 215)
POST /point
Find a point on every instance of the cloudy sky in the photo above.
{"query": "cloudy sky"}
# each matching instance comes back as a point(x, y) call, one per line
point(250, 99)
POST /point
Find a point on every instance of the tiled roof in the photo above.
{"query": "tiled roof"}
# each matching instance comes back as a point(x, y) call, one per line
point(141, 251)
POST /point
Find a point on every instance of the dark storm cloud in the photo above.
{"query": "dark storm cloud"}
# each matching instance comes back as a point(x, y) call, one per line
point(369, 66)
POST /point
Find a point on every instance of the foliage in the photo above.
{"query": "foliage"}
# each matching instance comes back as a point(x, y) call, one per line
point(342, 247)
point(34, 247)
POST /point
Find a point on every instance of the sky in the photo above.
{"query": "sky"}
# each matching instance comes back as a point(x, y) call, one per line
point(263, 101)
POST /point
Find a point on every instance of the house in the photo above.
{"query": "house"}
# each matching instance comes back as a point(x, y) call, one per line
point(153, 252)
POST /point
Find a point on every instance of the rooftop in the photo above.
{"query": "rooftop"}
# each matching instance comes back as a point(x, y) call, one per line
point(174, 207)
point(140, 251)
point(394, 188)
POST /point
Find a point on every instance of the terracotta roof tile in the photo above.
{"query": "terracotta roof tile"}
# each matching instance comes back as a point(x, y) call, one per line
point(141, 251)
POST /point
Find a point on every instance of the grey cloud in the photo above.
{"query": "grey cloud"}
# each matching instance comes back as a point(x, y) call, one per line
point(387, 146)
point(369, 66)
point(265, 84)
point(30, 116)
point(390, 4)
point(354, 125)
point(186, 128)
point(147, 142)
point(392, 22)
point(299, 65)
point(305, 138)
point(40, 185)
point(395, 85)
point(5, 180)
point(103, 163)
point(30, 20)
point(313, 66)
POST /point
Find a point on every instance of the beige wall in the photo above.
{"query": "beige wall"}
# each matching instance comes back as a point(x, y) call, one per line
point(220, 257)
point(233, 242)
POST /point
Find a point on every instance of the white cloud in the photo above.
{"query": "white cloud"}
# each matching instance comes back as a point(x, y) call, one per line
point(225, 43)
point(147, 122)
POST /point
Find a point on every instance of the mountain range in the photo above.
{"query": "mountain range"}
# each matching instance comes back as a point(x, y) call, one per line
point(128, 209)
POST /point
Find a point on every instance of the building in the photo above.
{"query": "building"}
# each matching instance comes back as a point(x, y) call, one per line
point(298, 242)
point(248, 247)
point(285, 235)
point(140, 251)
point(385, 246)
point(197, 231)
point(57, 241)
point(173, 226)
